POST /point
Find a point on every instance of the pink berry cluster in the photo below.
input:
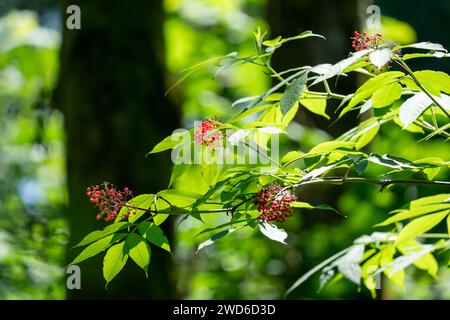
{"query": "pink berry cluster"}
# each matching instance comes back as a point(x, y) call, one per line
point(274, 203)
point(362, 41)
point(108, 199)
point(207, 134)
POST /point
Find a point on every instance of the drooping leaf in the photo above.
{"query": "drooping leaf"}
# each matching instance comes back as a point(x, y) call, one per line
point(115, 259)
point(293, 92)
point(139, 251)
point(315, 105)
point(214, 238)
point(272, 232)
point(154, 234)
point(348, 264)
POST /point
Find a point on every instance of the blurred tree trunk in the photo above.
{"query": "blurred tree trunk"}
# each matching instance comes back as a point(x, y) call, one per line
point(111, 91)
point(336, 20)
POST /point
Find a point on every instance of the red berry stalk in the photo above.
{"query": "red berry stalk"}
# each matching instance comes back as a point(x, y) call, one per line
point(274, 203)
point(108, 199)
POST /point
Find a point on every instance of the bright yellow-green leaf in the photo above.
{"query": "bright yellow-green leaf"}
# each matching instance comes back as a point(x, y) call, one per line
point(426, 262)
point(303, 205)
point(420, 225)
point(292, 156)
point(386, 95)
point(139, 250)
point(434, 81)
point(331, 145)
point(413, 212)
point(154, 234)
point(115, 259)
point(315, 105)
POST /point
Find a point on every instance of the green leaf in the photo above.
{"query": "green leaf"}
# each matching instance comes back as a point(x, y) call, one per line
point(424, 45)
point(304, 34)
point(348, 264)
point(448, 225)
point(139, 251)
point(339, 67)
point(413, 212)
point(380, 57)
point(426, 201)
point(389, 161)
point(273, 42)
point(98, 234)
point(178, 171)
point(214, 238)
point(97, 247)
point(321, 265)
point(426, 261)
point(331, 145)
point(387, 256)
point(413, 107)
point(115, 259)
point(386, 95)
point(434, 81)
point(143, 201)
point(293, 92)
point(301, 205)
point(292, 156)
point(370, 86)
point(154, 234)
point(315, 105)
point(170, 142)
point(272, 232)
point(420, 225)
point(305, 205)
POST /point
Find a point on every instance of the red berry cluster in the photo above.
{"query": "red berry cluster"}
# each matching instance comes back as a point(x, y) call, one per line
point(208, 135)
point(363, 41)
point(108, 199)
point(274, 203)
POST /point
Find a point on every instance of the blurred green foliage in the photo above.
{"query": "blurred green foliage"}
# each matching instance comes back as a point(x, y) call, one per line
point(244, 265)
point(33, 230)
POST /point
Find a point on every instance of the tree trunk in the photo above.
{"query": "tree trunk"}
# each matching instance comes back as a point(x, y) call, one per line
point(111, 91)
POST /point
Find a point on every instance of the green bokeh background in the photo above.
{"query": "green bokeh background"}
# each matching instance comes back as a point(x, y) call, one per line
point(244, 265)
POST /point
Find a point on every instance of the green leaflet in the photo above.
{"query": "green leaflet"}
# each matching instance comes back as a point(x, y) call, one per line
point(98, 246)
point(139, 251)
point(370, 86)
point(154, 234)
point(316, 105)
point(420, 225)
point(115, 259)
point(414, 212)
point(98, 234)
point(293, 93)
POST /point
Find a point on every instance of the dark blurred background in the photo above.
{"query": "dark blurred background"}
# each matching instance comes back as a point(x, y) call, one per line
point(81, 106)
